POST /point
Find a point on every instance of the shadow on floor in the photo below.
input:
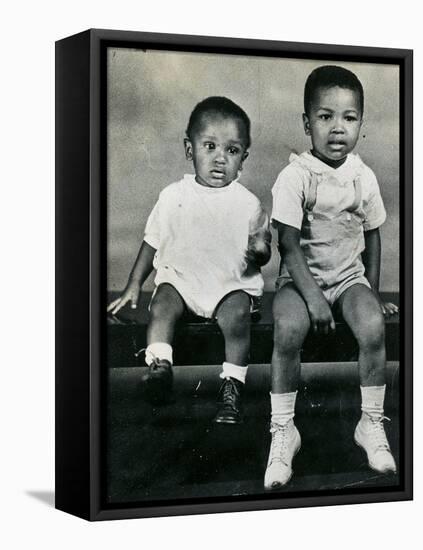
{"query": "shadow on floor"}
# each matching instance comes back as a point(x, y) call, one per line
point(46, 497)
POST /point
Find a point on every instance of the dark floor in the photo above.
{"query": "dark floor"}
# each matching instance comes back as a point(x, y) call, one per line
point(175, 451)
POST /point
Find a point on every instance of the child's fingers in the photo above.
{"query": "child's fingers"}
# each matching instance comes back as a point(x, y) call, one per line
point(391, 309)
point(112, 304)
point(119, 305)
point(328, 326)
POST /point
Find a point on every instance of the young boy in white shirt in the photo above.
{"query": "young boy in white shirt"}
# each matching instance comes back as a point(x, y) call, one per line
point(207, 238)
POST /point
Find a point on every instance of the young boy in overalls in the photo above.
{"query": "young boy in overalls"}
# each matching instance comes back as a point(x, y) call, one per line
point(327, 210)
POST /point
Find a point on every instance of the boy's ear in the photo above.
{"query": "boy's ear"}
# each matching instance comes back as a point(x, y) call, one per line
point(188, 149)
point(244, 156)
point(306, 123)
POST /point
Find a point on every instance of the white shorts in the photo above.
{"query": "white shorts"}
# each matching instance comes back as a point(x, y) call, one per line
point(333, 292)
point(255, 304)
point(203, 298)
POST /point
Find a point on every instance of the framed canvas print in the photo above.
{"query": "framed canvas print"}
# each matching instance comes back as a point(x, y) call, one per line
point(234, 274)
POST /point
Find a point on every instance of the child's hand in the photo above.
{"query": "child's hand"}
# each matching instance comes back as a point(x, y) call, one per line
point(321, 315)
point(130, 294)
point(259, 250)
point(388, 308)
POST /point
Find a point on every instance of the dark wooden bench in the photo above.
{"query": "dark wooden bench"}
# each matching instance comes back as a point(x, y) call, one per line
point(201, 343)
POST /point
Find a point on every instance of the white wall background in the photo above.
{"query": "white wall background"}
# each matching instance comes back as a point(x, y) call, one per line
point(150, 97)
point(27, 221)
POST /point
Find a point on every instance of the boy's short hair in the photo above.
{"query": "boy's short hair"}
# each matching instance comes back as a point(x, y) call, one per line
point(327, 77)
point(221, 106)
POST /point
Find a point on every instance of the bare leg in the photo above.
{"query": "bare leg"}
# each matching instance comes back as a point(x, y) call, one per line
point(363, 314)
point(291, 325)
point(166, 308)
point(233, 318)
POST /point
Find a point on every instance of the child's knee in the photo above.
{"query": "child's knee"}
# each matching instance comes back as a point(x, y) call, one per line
point(372, 331)
point(236, 317)
point(161, 308)
point(289, 334)
point(157, 309)
point(241, 314)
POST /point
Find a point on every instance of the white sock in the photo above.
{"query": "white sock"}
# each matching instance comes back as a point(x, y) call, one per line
point(283, 407)
point(158, 350)
point(372, 398)
point(234, 371)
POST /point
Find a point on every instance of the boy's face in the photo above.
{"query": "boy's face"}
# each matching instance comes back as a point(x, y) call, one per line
point(217, 149)
point(333, 122)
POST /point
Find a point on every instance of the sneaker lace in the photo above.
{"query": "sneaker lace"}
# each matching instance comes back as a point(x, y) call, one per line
point(137, 353)
point(279, 447)
point(379, 435)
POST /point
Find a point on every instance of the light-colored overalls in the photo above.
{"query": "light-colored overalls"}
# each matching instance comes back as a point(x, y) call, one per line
point(332, 238)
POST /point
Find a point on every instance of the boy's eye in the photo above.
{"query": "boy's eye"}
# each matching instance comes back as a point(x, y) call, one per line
point(233, 150)
point(209, 145)
point(324, 116)
point(350, 118)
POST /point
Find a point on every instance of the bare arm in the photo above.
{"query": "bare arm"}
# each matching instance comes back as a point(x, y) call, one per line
point(143, 266)
point(289, 246)
point(371, 260)
point(371, 257)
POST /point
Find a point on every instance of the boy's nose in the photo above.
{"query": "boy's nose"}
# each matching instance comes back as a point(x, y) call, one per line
point(338, 127)
point(220, 156)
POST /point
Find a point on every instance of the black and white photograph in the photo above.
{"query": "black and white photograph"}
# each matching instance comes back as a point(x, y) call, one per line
point(253, 277)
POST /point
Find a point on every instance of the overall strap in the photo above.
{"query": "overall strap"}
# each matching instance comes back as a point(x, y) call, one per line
point(310, 201)
point(357, 195)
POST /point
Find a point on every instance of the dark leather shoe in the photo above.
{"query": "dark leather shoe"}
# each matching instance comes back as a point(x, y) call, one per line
point(158, 382)
point(230, 402)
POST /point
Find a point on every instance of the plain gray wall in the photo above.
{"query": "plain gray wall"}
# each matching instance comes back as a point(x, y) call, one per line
point(150, 97)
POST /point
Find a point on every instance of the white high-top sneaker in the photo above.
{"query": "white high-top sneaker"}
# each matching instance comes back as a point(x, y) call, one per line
point(286, 443)
point(370, 436)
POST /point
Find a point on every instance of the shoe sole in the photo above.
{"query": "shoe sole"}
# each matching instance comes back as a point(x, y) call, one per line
point(372, 467)
point(277, 485)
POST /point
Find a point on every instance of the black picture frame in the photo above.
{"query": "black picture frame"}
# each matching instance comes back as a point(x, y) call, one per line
point(81, 293)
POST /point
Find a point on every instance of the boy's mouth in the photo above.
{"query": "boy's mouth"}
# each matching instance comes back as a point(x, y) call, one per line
point(336, 143)
point(336, 146)
point(218, 174)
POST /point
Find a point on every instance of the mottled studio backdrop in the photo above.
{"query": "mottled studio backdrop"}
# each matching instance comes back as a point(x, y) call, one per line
point(150, 97)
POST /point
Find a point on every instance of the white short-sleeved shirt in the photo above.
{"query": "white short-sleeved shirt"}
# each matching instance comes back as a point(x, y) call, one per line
point(335, 191)
point(201, 236)
point(332, 237)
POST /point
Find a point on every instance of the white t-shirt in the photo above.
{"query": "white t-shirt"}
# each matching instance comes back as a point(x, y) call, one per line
point(201, 236)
